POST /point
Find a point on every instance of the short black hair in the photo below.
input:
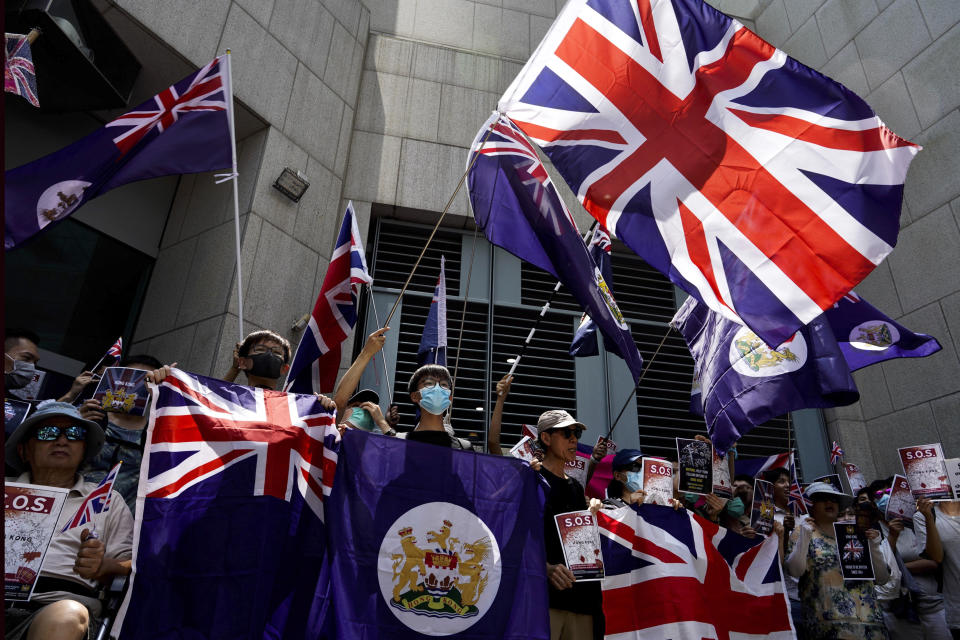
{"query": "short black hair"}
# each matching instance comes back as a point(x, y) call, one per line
point(744, 477)
point(264, 334)
point(772, 475)
point(144, 359)
point(14, 335)
point(435, 370)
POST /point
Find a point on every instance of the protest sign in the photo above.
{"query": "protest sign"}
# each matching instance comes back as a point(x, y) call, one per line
point(30, 518)
point(722, 484)
point(854, 551)
point(923, 466)
point(524, 449)
point(611, 445)
point(695, 466)
point(854, 477)
point(577, 469)
point(832, 479)
point(580, 539)
point(761, 519)
point(953, 475)
point(657, 481)
point(902, 503)
point(14, 412)
point(123, 390)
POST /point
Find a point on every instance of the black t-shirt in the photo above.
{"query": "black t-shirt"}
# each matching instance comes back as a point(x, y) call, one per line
point(439, 438)
point(566, 494)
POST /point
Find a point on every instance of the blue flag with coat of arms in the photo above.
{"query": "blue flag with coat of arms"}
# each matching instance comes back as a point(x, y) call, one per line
point(744, 383)
point(584, 341)
point(519, 209)
point(428, 541)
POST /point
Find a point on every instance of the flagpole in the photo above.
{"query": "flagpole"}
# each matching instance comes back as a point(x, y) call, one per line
point(234, 177)
point(376, 317)
point(543, 312)
point(476, 154)
point(639, 380)
point(463, 313)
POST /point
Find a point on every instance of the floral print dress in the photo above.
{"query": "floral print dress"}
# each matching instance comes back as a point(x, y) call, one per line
point(834, 608)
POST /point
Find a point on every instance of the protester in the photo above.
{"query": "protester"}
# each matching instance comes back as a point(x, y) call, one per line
point(47, 449)
point(264, 356)
point(867, 518)
point(626, 486)
point(362, 411)
point(941, 543)
point(20, 358)
point(125, 435)
point(348, 384)
point(920, 578)
point(833, 608)
point(429, 388)
point(743, 489)
point(574, 608)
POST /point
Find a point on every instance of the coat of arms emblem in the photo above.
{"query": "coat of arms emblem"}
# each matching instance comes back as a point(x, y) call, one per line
point(876, 335)
point(750, 356)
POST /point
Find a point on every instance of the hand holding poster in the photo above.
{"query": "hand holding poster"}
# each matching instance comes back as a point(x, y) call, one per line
point(953, 475)
point(761, 519)
point(611, 445)
point(657, 481)
point(30, 515)
point(722, 484)
point(853, 548)
point(923, 466)
point(123, 390)
point(854, 477)
point(580, 539)
point(695, 466)
point(524, 450)
point(902, 503)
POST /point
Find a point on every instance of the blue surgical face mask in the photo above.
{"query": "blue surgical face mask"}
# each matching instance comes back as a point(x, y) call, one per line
point(735, 507)
point(360, 418)
point(434, 399)
point(634, 481)
point(883, 501)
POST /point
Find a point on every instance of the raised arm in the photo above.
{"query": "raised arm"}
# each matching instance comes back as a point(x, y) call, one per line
point(493, 436)
point(348, 383)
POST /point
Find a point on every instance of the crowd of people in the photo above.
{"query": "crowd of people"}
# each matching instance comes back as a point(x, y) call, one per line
point(71, 443)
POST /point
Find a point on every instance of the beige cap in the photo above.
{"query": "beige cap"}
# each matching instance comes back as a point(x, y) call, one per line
point(556, 419)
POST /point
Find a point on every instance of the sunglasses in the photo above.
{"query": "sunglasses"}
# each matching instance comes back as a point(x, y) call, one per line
point(51, 432)
point(568, 432)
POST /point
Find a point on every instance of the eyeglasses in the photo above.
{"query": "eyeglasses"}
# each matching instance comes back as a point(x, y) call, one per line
point(260, 349)
point(51, 432)
point(825, 497)
point(569, 432)
point(430, 382)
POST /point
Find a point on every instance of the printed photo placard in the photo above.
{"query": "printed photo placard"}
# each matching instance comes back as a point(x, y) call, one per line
point(657, 481)
point(902, 504)
point(923, 466)
point(123, 390)
point(695, 466)
point(761, 518)
point(524, 449)
point(580, 539)
point(30, 514)
point(854, 477)
point(722, 483)
point(853, 548)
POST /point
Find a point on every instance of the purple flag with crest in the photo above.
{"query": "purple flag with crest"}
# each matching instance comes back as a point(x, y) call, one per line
point(745, 383)
point(182, 129)
point(519, 209)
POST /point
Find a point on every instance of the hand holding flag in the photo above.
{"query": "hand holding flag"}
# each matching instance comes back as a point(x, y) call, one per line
point(97, 501)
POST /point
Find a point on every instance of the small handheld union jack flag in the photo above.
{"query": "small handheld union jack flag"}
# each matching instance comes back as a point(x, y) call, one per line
point(115, 352)
point(97, 502)
point(835, 453)
point(797, 502)
point(19, 76)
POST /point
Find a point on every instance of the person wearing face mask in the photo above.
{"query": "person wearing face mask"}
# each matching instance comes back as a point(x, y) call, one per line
point(834, 608)
point(430, 388)
point(264, 356)
point(626, 487)
point(363, 412)
point(20, 358)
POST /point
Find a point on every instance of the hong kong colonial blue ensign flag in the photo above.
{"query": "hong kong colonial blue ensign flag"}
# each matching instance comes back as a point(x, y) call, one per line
point(182, 129)
point(230, 513)
point(427, 541)
point(755, 183)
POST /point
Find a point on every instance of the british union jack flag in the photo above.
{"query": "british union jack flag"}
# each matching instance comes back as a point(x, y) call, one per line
point(97, 501)
point(672, 574)
point(19, 75)
point(317, 360)
point(756, 184)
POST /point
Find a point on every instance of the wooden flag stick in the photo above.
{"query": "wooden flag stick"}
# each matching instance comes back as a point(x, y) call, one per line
point(33, 35)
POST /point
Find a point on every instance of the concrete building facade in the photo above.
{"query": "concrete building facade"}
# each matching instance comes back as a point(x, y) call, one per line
point(377, 102)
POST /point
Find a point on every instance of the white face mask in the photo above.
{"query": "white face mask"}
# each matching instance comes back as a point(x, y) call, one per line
point(21, 375)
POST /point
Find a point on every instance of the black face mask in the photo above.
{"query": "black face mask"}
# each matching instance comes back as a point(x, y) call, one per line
point(266, 365)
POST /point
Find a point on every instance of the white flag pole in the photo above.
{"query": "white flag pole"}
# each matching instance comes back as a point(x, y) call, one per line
point(234, 177)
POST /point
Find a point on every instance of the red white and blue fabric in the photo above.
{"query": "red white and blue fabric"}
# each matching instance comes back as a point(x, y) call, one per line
point(115, 352)
point(836, 453)
point(19, 76)
point(317, 360)
point(797, 502)
point(584, 341)
point(756, 184)
point(97, 501)
point(184, 129)
point(672, 574)
point(230, 535)
point(755, 466)
point(433, 342)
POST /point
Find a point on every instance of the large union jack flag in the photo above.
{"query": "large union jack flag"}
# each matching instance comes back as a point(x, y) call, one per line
point(672, 574)
point(205, 92)
point(317, 360)
point(753, 182)
point(97, 501)
point(19, 76)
